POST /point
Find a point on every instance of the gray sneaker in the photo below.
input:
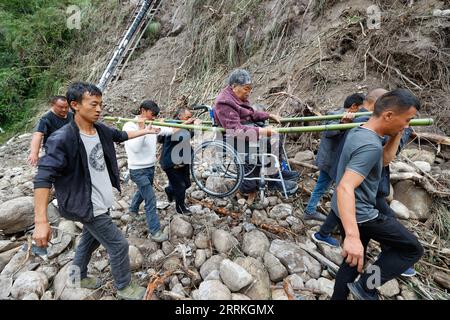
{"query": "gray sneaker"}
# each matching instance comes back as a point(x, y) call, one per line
point(131, 292)
point(159, 236)
point(91, 283)
point(314, 216)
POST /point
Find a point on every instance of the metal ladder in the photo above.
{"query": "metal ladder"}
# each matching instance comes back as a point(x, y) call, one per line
point(142, 16)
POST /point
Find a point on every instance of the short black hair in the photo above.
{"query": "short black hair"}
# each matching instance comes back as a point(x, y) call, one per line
point(398, 100)
point(77, 89)
point(53, 99)
point(150, 105)
point(356, 98)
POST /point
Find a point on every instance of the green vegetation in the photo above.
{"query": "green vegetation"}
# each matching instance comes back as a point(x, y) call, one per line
point(38, 50)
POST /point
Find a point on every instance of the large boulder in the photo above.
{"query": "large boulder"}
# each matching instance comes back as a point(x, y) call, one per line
point(136, 258)
point(16, 215)
point(223, 241)
point(414, 198)
point(295, 281)
point(146, 246)
point(5, 257)
point(260, 288)
point(210, 265)
point(5, 287)
point(281, 211)
point(390, 289)
point(156, 257)
point(6, 245)
point(60, 245)
point(423, 166)
point(202, 241)
point(216, 184)
point(67, 227)
point(326, 285)
point(29, 282)
point(200, 258)
point(66, 290)
point(401, 211)
point(16, 265)
point(213, 290)
point(234, 276)
point(304, 156)
point(419, 155)
point(255, 244)
point(277, 271)
point(295, 259)
point(181, 228)
point(332, 253)
point(198, 195)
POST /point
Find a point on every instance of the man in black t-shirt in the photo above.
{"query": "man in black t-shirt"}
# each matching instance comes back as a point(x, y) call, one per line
point(57, 117)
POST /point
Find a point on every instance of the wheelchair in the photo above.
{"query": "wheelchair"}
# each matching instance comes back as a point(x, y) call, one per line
point(219, 168)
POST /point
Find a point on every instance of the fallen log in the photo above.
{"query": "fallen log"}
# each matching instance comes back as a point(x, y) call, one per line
point(221, 211)
point(406, 176)
point(432, 137)
point(274, 228)
point(319, 257)
point(442, 279)
point(154, 282)
point(295, 163)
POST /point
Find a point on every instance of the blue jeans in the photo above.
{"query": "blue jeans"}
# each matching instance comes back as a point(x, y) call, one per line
point(323, 184)
point(144, 181)
point(102, 230)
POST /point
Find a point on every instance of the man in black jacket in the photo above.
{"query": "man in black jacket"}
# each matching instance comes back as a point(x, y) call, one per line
point(175, 161)
point(80, 162)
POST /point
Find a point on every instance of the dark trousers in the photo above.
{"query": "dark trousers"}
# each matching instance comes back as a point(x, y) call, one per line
point(179, 181)
point(332, 220)
point(401, 251)
point(102, 230)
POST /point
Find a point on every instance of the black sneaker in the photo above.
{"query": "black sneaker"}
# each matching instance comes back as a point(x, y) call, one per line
point(290, 175)
point(359, 293)
point(183, 210)
point(169, 194)
point(291, 186)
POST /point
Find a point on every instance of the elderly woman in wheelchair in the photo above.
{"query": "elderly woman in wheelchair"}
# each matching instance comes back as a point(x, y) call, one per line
point(257, 145)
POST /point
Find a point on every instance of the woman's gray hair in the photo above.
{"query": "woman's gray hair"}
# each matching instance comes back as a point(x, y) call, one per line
point(239, 77)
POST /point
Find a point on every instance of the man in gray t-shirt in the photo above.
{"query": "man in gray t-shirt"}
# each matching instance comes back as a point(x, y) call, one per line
point(357, 179)
point(102, 193)
point(362, 154)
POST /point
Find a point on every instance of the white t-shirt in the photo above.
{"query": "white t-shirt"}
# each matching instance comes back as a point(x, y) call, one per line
point(102, 190)
point(141, 151)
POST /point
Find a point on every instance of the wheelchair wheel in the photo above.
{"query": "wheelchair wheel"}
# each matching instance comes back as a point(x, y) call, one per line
point(216, 169)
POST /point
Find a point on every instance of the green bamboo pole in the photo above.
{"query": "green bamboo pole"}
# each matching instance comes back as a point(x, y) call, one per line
point(301, 119)
point(326, 127)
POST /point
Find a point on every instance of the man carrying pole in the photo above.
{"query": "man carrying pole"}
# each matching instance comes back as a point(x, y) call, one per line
point(80, 162)
point(354, 202)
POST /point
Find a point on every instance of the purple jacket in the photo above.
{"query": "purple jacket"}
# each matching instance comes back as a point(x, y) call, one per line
point(230, 112)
